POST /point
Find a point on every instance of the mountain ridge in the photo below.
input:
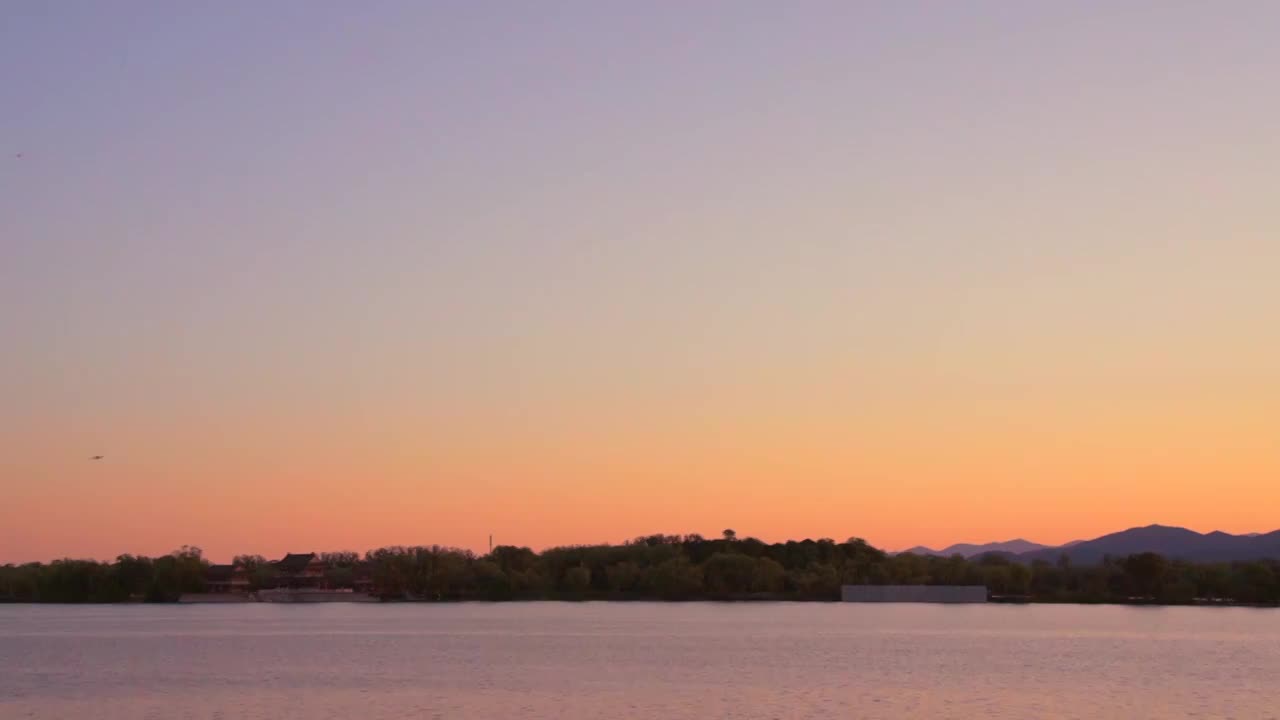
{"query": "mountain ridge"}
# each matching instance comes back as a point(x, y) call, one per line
point(1175, 543)
point(1016, 546)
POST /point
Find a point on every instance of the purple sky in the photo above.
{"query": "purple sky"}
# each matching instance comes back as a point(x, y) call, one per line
point(593, 254)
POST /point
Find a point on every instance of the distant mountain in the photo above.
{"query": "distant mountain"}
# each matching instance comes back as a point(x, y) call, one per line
point(1013, 547)
point(1172, 542)
point(917, 550)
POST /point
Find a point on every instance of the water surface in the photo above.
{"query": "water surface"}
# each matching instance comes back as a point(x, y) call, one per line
point(640, 660)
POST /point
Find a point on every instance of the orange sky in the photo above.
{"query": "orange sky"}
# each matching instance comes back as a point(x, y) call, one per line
point(945, 463)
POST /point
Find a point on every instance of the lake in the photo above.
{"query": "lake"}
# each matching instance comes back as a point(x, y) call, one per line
point(637, 660)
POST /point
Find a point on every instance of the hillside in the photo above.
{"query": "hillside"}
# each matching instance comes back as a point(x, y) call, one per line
point(1014, 547)
point(1172, 542)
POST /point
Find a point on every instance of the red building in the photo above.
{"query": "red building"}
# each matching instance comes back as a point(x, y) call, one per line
point(227, 579)
point(294, 571)
point(300, 570)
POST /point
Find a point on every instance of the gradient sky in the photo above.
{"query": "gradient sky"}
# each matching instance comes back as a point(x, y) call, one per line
point(333, 275)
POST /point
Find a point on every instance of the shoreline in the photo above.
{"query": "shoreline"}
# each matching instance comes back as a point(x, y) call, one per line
point(633, 601)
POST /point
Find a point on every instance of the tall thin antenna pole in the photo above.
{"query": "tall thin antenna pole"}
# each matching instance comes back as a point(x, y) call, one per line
point(491, 544)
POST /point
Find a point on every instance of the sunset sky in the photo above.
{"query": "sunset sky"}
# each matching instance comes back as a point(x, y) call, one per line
point(335, 276)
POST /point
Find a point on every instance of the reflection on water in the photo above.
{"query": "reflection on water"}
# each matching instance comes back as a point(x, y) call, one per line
point(640, 660)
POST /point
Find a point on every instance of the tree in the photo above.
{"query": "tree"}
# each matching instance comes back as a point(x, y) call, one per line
point(181, 571)
point(1019, 579)
point(997, 579)
point(768, 576)
point(623, 577)
point(343, 558)
point(510, 558)
point(729, 573)
point(674, 579)
point(134, 575)
point(248, 562)
point(577, 580)
point(814, 582)
point(1146, 570)
point(339, 577)
point(491, 582)
point(444, 570)
point(1256, 582)
point(908, 569)
point(669, 567)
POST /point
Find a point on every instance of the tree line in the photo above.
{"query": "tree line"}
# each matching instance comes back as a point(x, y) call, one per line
point(668, 567)
point(130, 577)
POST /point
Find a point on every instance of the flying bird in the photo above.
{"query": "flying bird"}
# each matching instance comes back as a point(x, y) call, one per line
point(96, 457)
